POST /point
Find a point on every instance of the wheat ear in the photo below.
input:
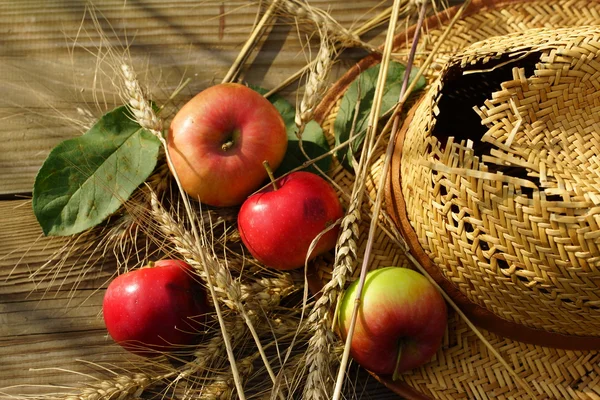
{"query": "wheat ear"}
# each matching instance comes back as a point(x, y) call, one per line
point(222, 386)
point(319, 353)
point(266, 293)
point(148, 119)
point(316, 83)
point(122, 387)
point(198, 255)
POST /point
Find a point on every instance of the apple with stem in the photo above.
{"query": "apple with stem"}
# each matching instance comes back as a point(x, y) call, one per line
point(155, 309)
point(219, 139)
point(279, 223)
point(401, 320)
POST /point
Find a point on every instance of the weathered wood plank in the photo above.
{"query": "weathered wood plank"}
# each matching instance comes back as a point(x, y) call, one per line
point(52, 88)
point(50, 69)
point(39, 335)
point(30, 262)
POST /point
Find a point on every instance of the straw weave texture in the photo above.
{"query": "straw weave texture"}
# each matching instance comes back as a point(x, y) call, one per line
point(508, 208)
point(512, 212)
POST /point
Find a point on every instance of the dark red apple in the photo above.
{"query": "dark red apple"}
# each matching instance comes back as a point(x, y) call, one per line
point(278, 226)
point(155, 309)
point(401, 321)
point(219, 140)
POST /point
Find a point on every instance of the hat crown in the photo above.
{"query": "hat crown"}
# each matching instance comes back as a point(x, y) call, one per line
point(501, 177)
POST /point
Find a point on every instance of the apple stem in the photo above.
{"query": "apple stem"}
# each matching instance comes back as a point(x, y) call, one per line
point(271, 176)
point(396, 374)
point(227, 145)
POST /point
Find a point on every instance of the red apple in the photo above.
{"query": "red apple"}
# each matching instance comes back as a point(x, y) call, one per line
point(401, 321)
point(219, 140)
point(278, 226)
point(155, 308)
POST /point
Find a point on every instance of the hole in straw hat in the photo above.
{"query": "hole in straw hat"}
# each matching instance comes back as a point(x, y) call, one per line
point(461, 93)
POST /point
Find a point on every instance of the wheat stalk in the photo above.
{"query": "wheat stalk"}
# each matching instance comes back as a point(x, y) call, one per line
point(146, 117)
point(307, 17)
point(210, 268)
point(222, 387)
point(122, 387)
point(319, 353)
point(250, 43)
point(372, 128)
point(316, 84)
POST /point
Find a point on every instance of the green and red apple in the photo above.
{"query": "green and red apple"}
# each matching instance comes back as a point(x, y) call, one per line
point(401, 320)
point(155, 309)
point(219, 140)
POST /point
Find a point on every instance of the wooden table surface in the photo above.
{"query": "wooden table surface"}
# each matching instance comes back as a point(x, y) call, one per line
point(53, 84)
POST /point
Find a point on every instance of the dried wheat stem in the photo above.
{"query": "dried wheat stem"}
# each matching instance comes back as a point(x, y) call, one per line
point(370, 24)
point(308, 16)
point(146, 115)
point(122, 387)
point(250, 43)
point(373, 121)
point(322, 341)
point(209, 267)
point(316, 84)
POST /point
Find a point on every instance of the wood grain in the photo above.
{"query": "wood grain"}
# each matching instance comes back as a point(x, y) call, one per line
point(51, 71)
point(55, 80)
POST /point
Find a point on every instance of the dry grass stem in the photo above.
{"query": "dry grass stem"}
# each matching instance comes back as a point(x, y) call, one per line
point(316, 84)
point(372, 128)
point(122, 387)
point(250, 43)
point(222, 386)
point(201, 257)
point(308, 17)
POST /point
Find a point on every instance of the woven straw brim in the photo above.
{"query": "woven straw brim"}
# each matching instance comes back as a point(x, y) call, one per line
point(464, 368)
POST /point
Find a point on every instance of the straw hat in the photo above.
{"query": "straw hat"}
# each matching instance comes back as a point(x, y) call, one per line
point(495, 184)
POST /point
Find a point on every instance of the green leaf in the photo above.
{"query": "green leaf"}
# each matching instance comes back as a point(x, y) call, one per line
point(84, 180)
point(313, 139)
point(314, 144)
point(364, 87)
